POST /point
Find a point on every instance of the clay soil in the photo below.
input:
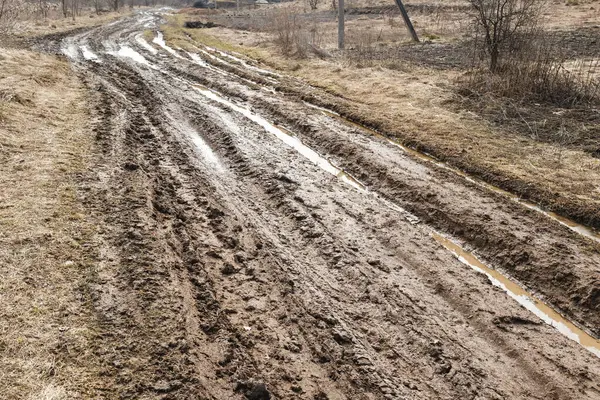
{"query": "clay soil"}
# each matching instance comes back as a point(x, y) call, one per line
point(206, 258)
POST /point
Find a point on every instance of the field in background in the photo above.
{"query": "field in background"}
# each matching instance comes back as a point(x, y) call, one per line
point(547, 153)
point(57, 25)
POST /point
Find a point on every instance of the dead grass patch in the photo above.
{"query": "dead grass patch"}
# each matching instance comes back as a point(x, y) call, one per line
point(43, 146)
point(58, 25)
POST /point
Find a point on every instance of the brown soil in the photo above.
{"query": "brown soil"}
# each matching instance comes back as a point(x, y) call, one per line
point(227, 265)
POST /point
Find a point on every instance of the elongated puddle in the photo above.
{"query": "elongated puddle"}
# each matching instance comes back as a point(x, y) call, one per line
point(527, 300)
point(574, 226)
point(286, 137)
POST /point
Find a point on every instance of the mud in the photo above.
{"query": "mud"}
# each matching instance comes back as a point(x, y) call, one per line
point(571, 208)
point(231, 266)
point(527, 300)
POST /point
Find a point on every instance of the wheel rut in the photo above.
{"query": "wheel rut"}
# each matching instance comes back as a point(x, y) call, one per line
point(232, 266)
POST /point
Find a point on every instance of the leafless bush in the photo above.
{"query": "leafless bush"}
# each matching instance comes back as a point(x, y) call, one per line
point(501, 25)
point(313, 4)
point(361, 48)
point(296, 36)
point(538, 73)
point(522, 64)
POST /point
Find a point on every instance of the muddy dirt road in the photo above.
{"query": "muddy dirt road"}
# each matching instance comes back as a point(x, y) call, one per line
point(257, 247)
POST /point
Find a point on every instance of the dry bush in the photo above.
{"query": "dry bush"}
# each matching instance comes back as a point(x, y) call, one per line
point(539, 94)
point(501, 24)
point(295, 35)
point(10, 11)
point(362, 50)
point(314, 4)
point(522, 63)
point(537, 73)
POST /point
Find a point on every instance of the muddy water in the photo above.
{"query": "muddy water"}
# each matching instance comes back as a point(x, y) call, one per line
point(574, 226)
point(526, 299)
point(159, 40)
point(243, 63)
point(142, 42)
point(88, 54)
point(128, 52)
point(286, 137)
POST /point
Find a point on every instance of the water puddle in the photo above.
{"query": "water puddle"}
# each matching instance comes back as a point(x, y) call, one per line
point(70, 50)
point(293, 141)
point(208, 155)
point(211, 56)
point(323, 110)
point(574, 226)
point(128, 52)
point(142, 42)
point(160, 40)
point(196, 59)
point(527, 300)
point(286, 137)
point(88, 54)
point(199, 60)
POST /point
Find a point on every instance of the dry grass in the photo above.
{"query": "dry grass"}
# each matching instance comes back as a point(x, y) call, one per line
point(414, 105)
point(43, 228)
point(57, 25)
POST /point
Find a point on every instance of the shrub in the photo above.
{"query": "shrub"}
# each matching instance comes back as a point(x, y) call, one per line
point(537, 73)
point(295, 35)
point(501, 24)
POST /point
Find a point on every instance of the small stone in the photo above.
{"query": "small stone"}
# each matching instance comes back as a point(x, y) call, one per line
point(253, 390)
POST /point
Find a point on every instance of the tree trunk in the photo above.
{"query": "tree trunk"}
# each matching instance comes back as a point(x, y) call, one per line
point(494, 55)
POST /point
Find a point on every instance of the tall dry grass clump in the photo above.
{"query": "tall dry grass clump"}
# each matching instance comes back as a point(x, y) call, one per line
point(296, 35)
point(519, 62)
point(537, 73)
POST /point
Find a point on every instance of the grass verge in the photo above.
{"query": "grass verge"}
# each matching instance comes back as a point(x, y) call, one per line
point(44, 231)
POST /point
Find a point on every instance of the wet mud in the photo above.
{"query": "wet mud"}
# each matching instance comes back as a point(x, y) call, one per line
point(231, 265)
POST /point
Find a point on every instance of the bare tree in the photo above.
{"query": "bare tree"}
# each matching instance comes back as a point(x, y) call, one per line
point(74, 8)
point(503, 24)
point(313, 4)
